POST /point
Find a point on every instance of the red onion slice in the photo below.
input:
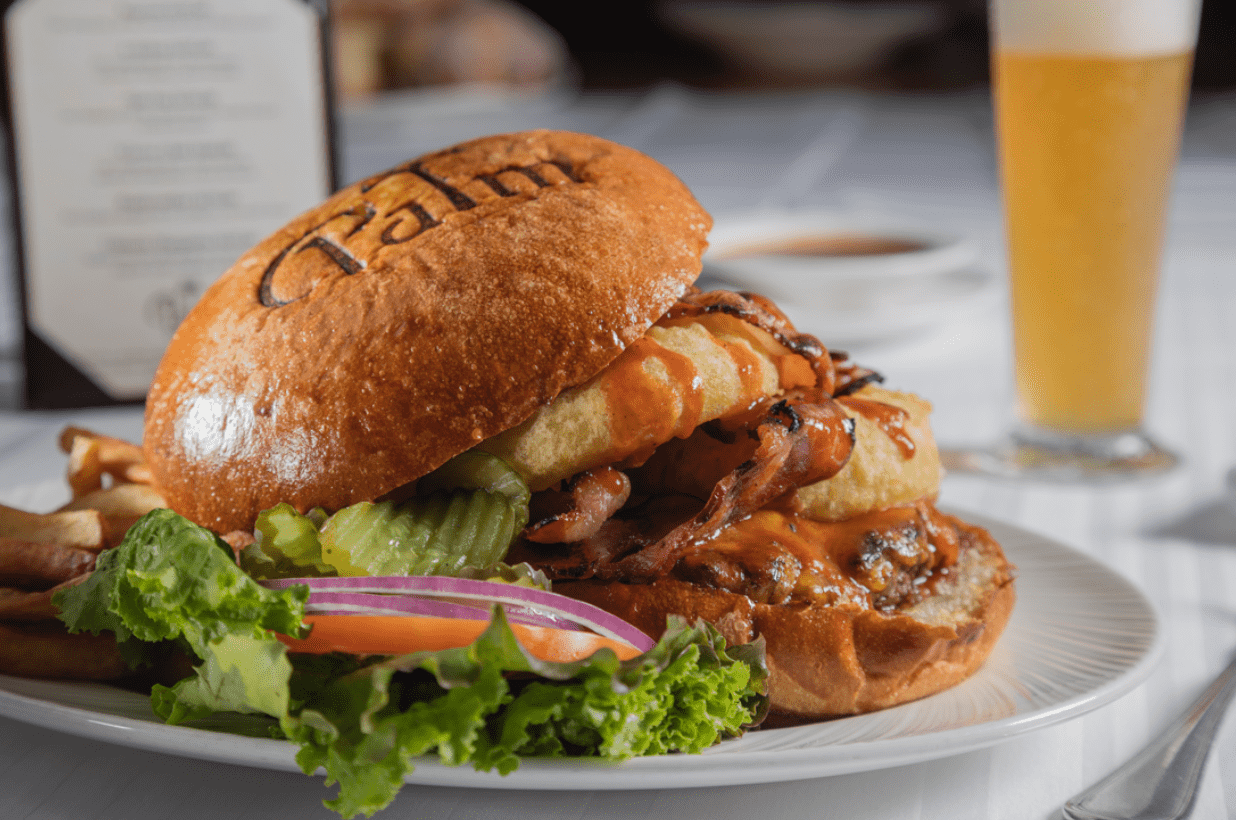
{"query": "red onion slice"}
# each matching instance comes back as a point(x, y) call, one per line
point(362, 603)
point(565, 611)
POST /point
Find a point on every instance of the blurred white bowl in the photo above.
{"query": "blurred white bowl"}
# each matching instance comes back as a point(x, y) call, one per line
point(851, 281)
point(786, 253)
point(806, 41)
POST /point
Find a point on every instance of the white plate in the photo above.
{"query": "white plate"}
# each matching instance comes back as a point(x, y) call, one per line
point(1080, 637)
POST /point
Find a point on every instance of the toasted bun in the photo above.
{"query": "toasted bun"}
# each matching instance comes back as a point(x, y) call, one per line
point(827, 660)
point(410, 317)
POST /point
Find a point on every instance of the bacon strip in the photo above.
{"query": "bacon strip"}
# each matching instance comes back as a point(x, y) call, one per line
point(852, 377)
point(593, 497)
point(800, 442)
point(803, 438)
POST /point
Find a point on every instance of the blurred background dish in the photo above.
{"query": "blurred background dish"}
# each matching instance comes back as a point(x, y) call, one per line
point(804, 42)
point(881, 312)
point(784, 251)
point(384, 45)
point(852, 281)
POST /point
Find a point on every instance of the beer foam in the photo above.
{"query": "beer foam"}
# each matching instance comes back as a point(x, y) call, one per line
point(1107, 27)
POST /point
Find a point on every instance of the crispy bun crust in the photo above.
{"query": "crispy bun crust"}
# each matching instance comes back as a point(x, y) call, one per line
point(457, 293)
point(827, 661)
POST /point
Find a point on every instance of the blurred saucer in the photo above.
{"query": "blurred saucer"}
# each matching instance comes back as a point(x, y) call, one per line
point(781, 252)
point(889, 312)
point(851, 281)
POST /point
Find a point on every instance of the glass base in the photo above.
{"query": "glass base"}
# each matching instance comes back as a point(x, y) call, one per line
point(1046, 455)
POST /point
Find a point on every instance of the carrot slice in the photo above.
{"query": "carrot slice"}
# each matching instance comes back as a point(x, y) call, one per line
point(403, 634)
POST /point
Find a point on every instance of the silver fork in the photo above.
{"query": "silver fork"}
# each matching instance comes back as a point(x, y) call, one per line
point(1160, 782)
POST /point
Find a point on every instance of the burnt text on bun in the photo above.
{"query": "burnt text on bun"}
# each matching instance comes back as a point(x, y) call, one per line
point(411, 316)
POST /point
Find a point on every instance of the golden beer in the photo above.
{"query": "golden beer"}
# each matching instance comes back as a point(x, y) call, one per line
point(1087, 148)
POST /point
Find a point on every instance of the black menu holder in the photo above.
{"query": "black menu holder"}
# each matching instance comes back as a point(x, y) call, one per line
point(149, 143)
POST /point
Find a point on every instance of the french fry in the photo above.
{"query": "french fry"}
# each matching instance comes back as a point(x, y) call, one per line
point(29, 564)
point(47, 650)
point(84, 529)
point(120, 506)
point(24, 605)
point(93, 456)
point(136, 474)
point(85, 470)
point(120, 501)
point(115, 450)
point(110, 484)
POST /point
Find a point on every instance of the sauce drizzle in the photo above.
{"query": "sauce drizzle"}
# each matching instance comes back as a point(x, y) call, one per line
point(889, 418)
point(637, 398)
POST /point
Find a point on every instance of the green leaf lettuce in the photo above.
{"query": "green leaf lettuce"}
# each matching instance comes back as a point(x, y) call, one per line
point(365, 721)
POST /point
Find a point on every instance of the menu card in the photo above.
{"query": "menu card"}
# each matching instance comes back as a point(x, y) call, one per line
point(153, 142)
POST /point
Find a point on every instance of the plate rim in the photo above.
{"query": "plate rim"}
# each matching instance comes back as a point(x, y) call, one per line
point(725, 764)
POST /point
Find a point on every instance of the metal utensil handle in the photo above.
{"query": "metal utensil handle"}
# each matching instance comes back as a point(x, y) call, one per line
point(1160, 782)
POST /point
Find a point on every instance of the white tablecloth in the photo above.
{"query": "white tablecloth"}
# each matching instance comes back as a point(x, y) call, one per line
point(925, 159)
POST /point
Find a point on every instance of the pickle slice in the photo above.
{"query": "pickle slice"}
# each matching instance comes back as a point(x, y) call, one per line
point(443, 534)
point(361, 539)
point(474, 470)
point(287, 545)
point(521, 575)
point(464, 518)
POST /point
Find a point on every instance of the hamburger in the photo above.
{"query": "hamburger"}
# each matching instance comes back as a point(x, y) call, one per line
point(530, 297)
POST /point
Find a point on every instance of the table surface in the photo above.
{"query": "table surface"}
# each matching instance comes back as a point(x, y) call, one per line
point(928, 160)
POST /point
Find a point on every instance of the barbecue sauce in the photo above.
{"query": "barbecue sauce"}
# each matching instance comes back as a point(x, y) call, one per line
point(879, 560)
point(889, 418)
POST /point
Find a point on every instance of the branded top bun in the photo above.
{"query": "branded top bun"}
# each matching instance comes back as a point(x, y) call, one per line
point(411, 316)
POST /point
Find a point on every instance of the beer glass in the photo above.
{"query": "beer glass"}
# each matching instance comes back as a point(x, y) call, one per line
point(1089, 99)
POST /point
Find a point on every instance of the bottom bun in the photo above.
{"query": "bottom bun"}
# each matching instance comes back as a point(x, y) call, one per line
point(829, 661)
